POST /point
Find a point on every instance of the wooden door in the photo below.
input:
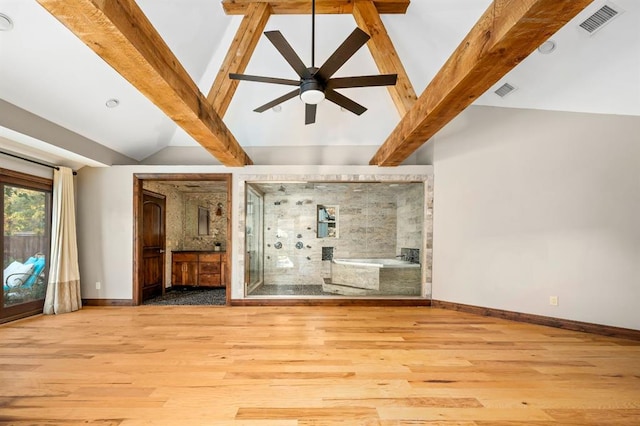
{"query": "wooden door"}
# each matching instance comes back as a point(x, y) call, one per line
point(153, 244)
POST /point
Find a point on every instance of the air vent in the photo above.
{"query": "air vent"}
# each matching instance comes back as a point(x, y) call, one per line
point(603, 16)
point(504, 90)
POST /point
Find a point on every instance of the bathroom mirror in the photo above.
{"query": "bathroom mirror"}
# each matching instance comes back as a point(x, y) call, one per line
point(203, 220)
point(327, 221)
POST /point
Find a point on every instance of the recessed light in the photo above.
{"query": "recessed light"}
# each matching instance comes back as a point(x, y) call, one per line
point(277, 108)
point(547, 47)
point(6, 24)
point(112, 103)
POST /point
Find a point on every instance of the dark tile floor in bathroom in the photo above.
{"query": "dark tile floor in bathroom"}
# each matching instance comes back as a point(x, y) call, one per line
point(190, 296)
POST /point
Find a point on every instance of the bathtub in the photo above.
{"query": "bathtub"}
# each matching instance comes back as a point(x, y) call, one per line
point(362, 277)
point(377, 263)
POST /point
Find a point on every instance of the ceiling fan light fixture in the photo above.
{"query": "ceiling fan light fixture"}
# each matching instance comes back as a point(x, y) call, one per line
point(312, 97)
point(311, 92)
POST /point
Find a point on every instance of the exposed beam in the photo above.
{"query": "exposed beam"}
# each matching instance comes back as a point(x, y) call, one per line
point(297, 7)
point(120, 33)
point(238, 56)
point(504, 36)
point(385, 55)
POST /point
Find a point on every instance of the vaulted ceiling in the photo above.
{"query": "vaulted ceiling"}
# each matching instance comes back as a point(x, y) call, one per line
point(63, 59)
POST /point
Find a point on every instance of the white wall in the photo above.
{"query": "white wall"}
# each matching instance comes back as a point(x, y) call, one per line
point(14, 164)
point(532, 204)
point(105, 218)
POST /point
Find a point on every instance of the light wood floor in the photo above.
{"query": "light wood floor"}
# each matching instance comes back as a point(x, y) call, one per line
point(186, 365)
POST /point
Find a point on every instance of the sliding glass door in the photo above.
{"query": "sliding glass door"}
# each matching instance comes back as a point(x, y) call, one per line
point(25, 230)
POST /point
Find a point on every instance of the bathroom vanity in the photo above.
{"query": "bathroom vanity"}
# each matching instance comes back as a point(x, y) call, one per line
point(198, 268)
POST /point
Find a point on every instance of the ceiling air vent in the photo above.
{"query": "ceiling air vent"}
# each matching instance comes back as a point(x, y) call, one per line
point(504, 90)
point(599, 19)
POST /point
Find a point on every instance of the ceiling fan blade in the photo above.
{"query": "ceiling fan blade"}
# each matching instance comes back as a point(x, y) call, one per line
point(310, 113)
point(344, 102)
point(260, 79)
point(351, 45)
point(277, 101)
point(363, 81)
point(285, 49)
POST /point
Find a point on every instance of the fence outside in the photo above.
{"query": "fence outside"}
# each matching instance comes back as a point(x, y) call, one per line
point(22, 247)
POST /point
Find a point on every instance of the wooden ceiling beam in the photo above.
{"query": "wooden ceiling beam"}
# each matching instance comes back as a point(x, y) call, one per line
point(297, 7)
point(238, 56)
point(120, 33)
point(504, 36)
point(385, 55)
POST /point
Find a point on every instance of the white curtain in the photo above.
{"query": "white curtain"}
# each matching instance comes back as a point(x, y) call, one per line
point(63, 290)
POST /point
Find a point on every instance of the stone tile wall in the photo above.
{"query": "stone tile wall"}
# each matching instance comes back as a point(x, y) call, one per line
point(217, 226)
point(367, 228)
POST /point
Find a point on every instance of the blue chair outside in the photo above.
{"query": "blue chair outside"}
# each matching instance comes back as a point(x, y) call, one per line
point(30, 278)
point(38, 262)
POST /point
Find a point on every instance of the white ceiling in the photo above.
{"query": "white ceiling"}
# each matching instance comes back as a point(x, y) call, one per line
point(47, 71)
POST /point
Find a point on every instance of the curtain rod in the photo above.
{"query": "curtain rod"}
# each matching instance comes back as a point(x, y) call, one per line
point(33, 161)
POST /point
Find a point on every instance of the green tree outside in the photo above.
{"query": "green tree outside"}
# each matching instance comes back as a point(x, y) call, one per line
point(24, 211)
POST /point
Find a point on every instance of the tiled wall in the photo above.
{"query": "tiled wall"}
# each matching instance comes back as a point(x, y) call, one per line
point(217, 225)
point(410, 216)
point(372, 220)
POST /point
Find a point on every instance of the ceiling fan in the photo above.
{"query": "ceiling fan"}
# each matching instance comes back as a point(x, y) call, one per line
point(317, 84)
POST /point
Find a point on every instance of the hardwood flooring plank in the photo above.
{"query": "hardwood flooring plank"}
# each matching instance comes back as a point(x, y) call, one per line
point(328, 365)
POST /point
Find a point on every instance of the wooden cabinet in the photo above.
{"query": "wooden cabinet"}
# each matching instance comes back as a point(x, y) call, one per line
point(198, 268)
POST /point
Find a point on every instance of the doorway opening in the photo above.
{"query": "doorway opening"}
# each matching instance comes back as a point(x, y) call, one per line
point(194, 252)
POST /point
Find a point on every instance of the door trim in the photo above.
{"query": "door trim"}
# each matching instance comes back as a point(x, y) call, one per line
point(138, 179)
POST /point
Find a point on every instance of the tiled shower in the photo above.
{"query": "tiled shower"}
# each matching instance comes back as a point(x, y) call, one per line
point(374, 220)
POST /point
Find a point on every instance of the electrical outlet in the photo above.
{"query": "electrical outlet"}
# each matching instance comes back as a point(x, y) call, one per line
point(553, 300)
point(98, 285)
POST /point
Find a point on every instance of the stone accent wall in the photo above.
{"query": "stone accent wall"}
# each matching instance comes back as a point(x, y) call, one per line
point(427, 269)
point(217, 226)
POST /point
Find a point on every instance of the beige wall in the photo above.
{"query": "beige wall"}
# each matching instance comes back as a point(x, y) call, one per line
point(528, 204)
point(531, 204)
point(105, 218)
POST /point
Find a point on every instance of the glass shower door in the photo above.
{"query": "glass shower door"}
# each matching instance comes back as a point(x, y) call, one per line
point(254, 262)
